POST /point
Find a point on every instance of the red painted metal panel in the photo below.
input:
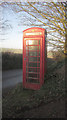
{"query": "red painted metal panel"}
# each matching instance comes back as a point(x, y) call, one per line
point(33, 71)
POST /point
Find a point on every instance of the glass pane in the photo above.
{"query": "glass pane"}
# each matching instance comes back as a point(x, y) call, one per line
point(26, 53)
point(32, 64)
point(31, 80)
point(38, 64)
point(26, 42)
point(38, 58)
point(32, 53)
point(26, 69)
point(32, 58)
point(32, 75)
point(26, 74)
point(38, 53)
point(38, 75)
point(26, 66)
point(39, 47)
point(39, 42)
point(26, 47)
point(33, 47)
point(33, 42)
point(34, 70)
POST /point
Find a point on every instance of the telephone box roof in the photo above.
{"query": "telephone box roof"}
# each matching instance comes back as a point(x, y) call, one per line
point(34, 28)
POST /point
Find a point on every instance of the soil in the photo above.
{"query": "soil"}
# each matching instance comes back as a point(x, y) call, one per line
point(54, 109)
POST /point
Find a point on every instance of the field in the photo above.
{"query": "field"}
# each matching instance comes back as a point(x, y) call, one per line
point(17, 51)
point(48, 102)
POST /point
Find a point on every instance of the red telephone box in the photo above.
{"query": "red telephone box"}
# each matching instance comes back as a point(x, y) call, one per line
point(34, 57)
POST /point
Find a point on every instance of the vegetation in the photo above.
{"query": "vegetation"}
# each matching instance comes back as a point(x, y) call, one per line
point(11, 60)
point(22, 100)
point(51, 16)
point(17, 51)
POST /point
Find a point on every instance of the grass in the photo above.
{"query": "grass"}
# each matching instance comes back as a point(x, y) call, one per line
point(19, 100)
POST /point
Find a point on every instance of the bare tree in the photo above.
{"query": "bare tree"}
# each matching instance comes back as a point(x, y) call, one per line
point(51, 16)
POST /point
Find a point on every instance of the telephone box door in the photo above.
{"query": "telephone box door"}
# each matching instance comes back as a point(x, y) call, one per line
point(32, 60)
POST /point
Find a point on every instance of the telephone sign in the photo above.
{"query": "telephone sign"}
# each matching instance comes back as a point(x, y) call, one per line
point(34, 57)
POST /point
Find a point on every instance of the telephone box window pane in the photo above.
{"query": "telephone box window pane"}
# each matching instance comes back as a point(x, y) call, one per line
point(38, 58)
point(26, 47)
point(26, 69)
point(38, 64)
point(32, 58)
point(39, 42)
point(32, 75)
point(32, 53)
point(39, 47)
point(26, 75)
point(31, 80)
point(26, 42)
point(38, 75)
point(34, 70)
point(26, 65)
point(26, 53)
point(33, 64)
point(33, 42)
point(38, 53)
point(33, 47)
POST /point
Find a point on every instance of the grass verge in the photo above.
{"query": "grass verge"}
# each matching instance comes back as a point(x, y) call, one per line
point(19, 100)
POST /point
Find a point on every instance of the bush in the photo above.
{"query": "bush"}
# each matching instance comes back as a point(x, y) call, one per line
point(58, 55)
point(11, 61)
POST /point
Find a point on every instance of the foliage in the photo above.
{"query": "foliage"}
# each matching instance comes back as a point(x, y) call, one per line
point(21, 100)
point(58, 55)
point(11, 61)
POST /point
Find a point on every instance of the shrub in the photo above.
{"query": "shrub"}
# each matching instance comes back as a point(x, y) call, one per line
point(11, 61)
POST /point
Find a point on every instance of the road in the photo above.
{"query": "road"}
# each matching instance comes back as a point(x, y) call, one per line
point(11, 78)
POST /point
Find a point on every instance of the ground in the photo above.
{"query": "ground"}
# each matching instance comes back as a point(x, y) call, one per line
point(50, 110)
point(48, 102)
